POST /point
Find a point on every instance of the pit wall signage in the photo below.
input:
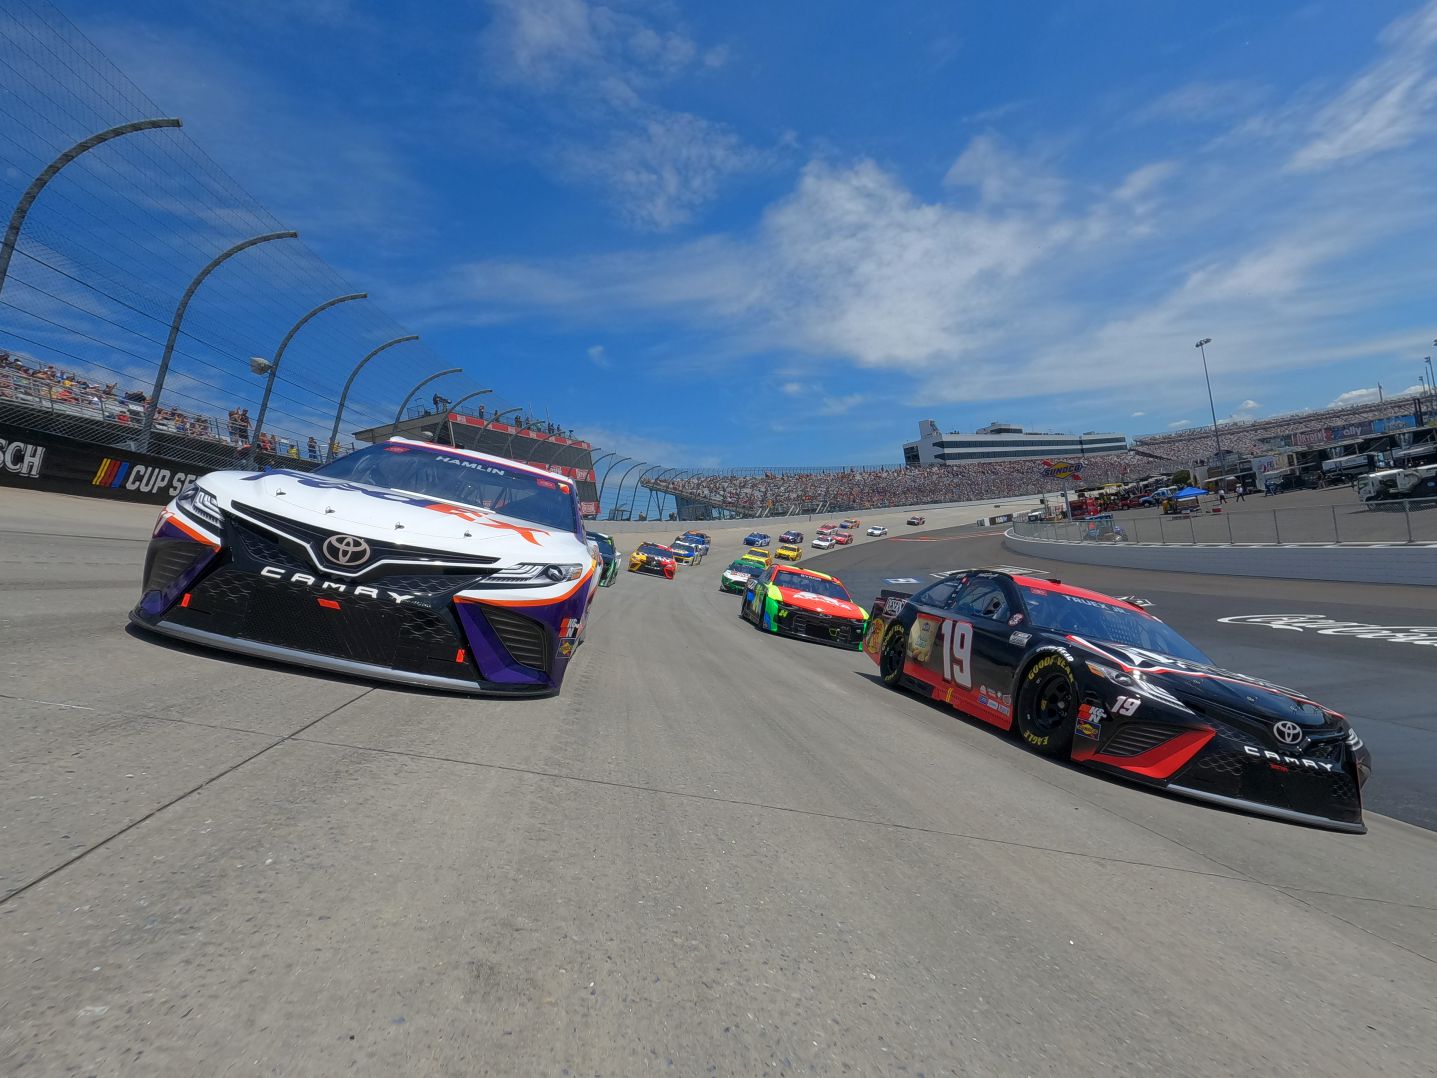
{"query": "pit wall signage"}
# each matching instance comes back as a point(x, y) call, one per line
point(38, 460)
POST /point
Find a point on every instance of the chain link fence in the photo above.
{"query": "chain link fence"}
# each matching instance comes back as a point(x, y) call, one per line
point(1412, 520)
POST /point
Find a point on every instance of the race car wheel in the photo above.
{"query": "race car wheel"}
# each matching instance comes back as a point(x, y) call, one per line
point(1048, 706)
point(890, 659)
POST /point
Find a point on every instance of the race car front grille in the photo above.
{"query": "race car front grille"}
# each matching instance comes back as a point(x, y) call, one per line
point(524, 638)
point(409, 636)
point(1136, 740)
point(832, 630)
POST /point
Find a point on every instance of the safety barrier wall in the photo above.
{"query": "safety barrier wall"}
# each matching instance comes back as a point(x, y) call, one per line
point(42, 460)
point(1375, 564)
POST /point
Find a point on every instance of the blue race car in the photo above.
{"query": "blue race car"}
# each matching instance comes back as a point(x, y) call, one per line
point(755, 539)
point(695, 539)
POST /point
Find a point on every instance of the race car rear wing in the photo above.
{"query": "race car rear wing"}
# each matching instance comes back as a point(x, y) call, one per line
point(889, 603)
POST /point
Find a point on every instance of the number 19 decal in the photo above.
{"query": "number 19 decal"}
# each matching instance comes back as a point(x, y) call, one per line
point(958, 653)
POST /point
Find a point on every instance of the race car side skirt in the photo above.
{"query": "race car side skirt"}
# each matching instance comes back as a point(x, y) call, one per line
point(349, 667)
point(1276, 813)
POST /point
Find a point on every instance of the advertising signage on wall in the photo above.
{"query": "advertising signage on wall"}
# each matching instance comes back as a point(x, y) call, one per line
point(43, 461)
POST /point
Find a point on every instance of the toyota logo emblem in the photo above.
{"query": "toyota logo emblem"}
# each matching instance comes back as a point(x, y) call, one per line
point(346, 550)
point(1288, 732)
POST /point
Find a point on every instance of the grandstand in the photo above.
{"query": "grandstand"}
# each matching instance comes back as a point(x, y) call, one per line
point(1387, 426)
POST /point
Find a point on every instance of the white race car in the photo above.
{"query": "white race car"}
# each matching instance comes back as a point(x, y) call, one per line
point(877, 529)
point(404, 561)
point(824, 542)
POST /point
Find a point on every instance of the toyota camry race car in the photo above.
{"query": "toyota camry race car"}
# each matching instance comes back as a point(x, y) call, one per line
point(791, 537)
point(800, 602)
point(404, 561)
point(842, 538)
point(823, 542)
point(1098, 680)
point(755, 539)
point(914, 522)
point(686, 553)
point(788, 552)
point(877, 529)
point(653, 558)
point(849, 522)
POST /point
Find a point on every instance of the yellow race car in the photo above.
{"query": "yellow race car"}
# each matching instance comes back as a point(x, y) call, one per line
point(761, 556)
point(788, 552)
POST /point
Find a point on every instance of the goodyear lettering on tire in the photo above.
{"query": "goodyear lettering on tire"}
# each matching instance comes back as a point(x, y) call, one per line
point(1034, 739)
point(1049, 661)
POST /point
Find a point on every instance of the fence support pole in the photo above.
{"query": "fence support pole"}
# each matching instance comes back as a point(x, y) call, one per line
point(1407, 511)
point(1276, 531)
point(1229, 528)
point(1336, 531)
point(1192, 528)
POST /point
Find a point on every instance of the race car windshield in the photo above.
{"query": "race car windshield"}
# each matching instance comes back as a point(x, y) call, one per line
point(656, 550)
point(748, 568)
point(815, 584)
point(1106, 622)
point(453, 478)
point(605, 543)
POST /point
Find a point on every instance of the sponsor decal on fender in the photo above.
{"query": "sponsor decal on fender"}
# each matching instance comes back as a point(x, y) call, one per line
point(994, 700)
point(1322, 625)
point(1090, 720)
point(21, 458)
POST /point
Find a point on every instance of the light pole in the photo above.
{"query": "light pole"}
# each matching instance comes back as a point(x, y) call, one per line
point(344, 393)
point(619, 494)
point(180, 310)
point(1428, 360)
point(22, 208)
point(437, 374)
point(1201, 346)
point(279, 355)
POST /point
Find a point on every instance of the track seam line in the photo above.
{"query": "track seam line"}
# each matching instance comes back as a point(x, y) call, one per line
point(174, 801)
point(660, 791)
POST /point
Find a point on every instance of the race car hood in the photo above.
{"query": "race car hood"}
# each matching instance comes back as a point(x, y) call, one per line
point(819, 604)
point(393, 516)
point(1212, 686)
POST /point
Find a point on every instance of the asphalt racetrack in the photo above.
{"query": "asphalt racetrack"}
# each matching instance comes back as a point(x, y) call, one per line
point(716, 853)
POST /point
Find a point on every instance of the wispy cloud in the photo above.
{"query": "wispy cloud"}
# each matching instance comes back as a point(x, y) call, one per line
point(1372, 394)
point(1389, 106)
point(598, 357)
point(597, 71)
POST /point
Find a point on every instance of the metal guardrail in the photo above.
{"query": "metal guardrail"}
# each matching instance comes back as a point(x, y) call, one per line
point(1410, 520)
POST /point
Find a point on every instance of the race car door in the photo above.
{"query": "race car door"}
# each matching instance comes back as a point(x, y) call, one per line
point(981, 611)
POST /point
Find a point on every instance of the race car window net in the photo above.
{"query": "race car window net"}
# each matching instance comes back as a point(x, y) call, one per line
point(1106, 622)
point(983, 599)
point(485, 484)
point(818, 586)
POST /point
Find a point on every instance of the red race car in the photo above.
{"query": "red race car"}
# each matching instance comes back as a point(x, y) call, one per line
point(842, 538)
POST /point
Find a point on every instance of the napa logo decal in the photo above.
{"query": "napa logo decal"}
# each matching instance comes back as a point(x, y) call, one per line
point(122, 475)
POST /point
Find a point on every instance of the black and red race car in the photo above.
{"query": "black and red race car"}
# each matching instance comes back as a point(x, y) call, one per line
point(1098, 680)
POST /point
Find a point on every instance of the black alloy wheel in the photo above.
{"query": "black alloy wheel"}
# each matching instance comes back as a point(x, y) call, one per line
point(1048, 706)
point(890, 657)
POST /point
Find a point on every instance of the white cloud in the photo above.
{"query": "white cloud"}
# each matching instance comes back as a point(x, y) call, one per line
point(598, 357)
point(840, 405)
point(1201, 101)
point(1137, 414)
point(1179, 423)
point(1388, 106)
point(1002, 177)
point(1246, 407)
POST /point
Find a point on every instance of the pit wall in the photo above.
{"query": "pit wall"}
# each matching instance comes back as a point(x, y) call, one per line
point(1415, 564)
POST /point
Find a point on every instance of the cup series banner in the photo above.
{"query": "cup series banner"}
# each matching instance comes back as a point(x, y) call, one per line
point(42, 461)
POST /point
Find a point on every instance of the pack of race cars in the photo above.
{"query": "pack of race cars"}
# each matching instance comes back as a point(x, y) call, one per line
point(491, 595)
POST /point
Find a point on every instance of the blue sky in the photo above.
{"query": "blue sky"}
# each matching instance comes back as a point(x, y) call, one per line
point(757, 233)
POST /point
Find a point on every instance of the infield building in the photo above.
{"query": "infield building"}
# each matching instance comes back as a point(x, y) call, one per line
point(1003, 441)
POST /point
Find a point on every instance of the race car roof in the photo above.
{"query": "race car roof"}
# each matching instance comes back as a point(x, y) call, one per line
point(801, 571)
point(474, 454)
point(1039, 584)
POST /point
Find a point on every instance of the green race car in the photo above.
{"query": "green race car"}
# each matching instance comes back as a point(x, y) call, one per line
point(609, 557)
point(736, 577)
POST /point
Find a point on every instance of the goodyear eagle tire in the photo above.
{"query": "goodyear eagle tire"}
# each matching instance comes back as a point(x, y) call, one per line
point(890, 656)
point(1048, 702)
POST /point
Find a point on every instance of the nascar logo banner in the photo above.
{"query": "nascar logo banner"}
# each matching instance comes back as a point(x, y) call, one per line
point(44, 461)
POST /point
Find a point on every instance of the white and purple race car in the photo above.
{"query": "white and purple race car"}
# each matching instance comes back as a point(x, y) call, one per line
point(405, 561)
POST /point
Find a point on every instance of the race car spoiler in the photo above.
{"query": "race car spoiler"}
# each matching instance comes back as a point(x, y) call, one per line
point(888, 603)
